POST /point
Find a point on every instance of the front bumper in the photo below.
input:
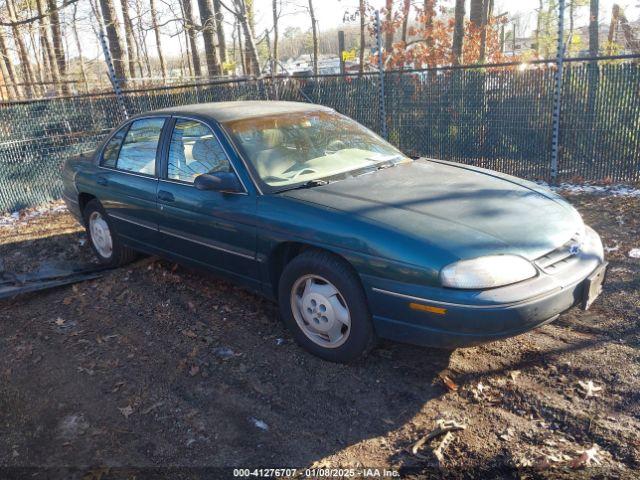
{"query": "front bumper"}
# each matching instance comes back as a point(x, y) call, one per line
point(448, 318)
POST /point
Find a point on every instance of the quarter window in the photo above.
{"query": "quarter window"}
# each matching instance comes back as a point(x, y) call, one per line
point(194, 150)
point(111, 149)
point(138, 152)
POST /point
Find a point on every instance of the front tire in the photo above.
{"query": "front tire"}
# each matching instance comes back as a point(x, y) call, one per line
point(324, 306)
point(103, 238)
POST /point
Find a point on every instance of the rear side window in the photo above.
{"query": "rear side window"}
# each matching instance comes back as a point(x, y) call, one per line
point(138, 152)
point(111, 149)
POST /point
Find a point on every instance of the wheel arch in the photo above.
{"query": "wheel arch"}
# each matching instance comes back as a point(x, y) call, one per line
point(285, 252)
point(83, 199)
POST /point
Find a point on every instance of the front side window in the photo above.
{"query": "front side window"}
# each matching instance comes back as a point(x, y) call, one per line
point(194, 150)
point(295, 148)
point(138, 152)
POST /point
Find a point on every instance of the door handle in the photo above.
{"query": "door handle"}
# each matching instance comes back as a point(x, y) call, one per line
point(165, 196)
point(102, 181)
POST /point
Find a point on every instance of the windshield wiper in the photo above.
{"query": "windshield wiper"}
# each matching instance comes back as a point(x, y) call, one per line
point(309, 184)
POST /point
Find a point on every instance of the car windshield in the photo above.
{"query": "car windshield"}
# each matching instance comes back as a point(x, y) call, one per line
point(299, 148)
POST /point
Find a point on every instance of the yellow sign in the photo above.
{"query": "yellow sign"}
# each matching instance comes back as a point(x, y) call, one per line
point(348, 55)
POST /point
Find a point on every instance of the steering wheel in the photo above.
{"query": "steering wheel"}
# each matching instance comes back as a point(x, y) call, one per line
point(334, 146)
point(303, 171)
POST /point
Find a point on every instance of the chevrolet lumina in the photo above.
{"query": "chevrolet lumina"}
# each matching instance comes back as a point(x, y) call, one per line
point(353, 239)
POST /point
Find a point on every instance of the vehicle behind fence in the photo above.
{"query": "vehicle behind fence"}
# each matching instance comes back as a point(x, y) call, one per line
point(498, 118)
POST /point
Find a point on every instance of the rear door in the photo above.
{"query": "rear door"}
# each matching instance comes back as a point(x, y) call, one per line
point(128, 180)
point(211, 228)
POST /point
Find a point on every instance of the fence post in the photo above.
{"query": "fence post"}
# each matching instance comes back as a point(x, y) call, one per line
point(383, 114)
point(115, 81)
point(557, 95)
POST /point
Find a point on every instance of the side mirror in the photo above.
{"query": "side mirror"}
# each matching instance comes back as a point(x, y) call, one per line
point(225, 182)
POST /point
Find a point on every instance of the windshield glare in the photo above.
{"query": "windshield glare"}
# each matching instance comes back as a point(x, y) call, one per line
point(296, 148)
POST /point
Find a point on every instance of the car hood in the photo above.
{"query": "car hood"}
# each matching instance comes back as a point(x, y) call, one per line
point(464, 210)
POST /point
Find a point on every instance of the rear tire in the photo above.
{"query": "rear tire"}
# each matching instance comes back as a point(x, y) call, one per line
point(104, 241)
point(324, 306)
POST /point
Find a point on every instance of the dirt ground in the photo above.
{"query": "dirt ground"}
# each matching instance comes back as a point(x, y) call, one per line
point(154, 365)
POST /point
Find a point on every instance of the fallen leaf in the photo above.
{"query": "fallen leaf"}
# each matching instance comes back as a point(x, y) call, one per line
point(514, 374)
point(450, 384)
point(589, 388)
point(126, 411)
point(67, 300)
point(586, 457)
point(189, 333)
point(194, 370)
point(59, 321)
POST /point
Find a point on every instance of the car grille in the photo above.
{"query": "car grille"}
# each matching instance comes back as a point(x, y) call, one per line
point(561, 257)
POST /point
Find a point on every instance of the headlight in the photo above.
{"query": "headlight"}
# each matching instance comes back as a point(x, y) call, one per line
point(487, 272)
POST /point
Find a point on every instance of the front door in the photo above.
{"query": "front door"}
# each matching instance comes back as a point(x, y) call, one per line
point(128, 180)
point(214, 229)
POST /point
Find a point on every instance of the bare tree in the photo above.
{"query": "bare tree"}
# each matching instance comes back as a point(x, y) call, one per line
point(208, 21)
point(58, 46)
point(142, 39)
point(132, 50)
point(594, 47)
point(314, 33)
point(222, 42)
point(276, 16)
point(25, 64)
point(113, 37)
point(458, 32)
point(156, 31)
point(76, 37)
point(362, 12)
point(251, 52)
point(47, 47)
point(8, 69)
point(191, 33)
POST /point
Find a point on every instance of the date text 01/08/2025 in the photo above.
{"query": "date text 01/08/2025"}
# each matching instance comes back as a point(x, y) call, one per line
point(315, 473)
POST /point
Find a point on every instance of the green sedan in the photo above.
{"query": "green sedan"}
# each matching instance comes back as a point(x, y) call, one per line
point(354, 240)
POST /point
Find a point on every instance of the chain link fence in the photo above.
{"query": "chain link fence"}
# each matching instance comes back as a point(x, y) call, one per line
point(494, 117)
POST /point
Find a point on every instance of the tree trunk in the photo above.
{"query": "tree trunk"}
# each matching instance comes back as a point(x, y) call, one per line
point(243, 62)
point(8, 69)
point(406, 7)
point(132, 51)
point(142, 42)
point(222, 42)
point(47, 48)
point(58, 47)
point(361, 9)
point(458, 32)
point(113, 38)
point(594, 47)
point(156, 31)
point(388, 35)
point(191, 33)
point(27, 71)
point(208, 21)
point(314, 32)
point(76, 37)
point(486, 14)
point(631, 40)
point(475, 12)
point(274, 64)
point(251, 52)
point(429, 13)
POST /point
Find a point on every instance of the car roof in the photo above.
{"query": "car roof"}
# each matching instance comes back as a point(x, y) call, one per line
point(239, 110)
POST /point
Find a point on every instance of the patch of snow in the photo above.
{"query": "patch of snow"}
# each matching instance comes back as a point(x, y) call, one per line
point(23, 216)
point(634, 253)
point(259, 423)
